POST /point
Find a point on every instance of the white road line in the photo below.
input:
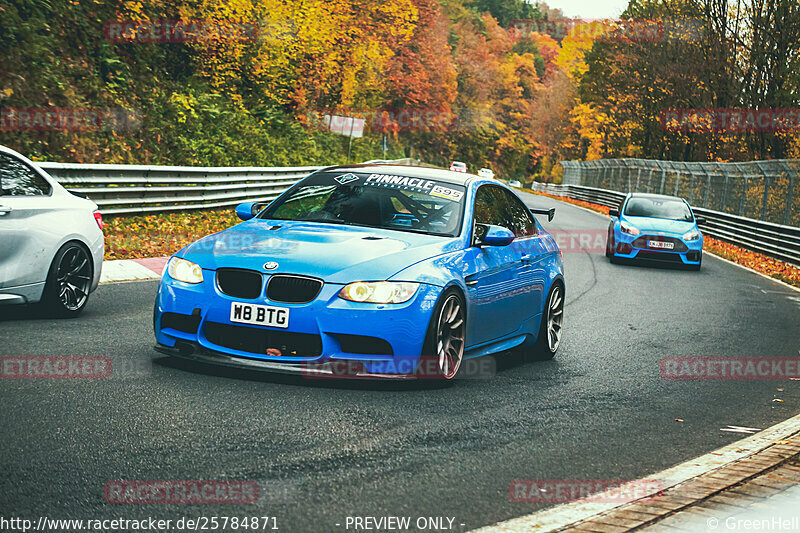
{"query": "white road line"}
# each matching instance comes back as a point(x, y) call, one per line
point(561, 516)
point(773, 280)
point(740, 429)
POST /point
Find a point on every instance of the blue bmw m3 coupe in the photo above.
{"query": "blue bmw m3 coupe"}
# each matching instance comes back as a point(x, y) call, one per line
point(377, 268)
point(655, 227)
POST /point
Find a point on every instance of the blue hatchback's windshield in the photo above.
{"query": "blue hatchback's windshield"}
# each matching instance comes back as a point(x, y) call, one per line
point(402, 203)
point(658, 208)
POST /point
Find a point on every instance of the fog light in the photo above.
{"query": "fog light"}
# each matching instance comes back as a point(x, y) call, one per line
point(694, 255)
point(624, 248)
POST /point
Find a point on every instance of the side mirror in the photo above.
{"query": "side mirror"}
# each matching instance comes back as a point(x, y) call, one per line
point(248, 210)
point(489, 235)
point(613, 212)
point(700, 220)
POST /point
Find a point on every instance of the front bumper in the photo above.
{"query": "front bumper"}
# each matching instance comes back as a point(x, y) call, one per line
point(636, 247)
point(340, 369)
point(315, 342)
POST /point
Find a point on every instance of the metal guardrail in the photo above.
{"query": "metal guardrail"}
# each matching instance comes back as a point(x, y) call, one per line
point(763, 190)
point(775, 240)
point(139, 189)
point(142, 189)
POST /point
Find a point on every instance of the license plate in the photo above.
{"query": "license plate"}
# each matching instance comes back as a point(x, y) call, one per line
point(260, 315)
point(661, 244)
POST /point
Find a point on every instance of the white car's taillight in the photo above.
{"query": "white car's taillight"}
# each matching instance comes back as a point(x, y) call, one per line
point(99, 219)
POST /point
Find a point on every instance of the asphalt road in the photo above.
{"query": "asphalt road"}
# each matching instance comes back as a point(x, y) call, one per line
point(322, 450)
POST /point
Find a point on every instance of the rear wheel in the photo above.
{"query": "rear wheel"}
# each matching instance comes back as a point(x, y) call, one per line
point(68, 281)
point(445, 344)
point(551, 327)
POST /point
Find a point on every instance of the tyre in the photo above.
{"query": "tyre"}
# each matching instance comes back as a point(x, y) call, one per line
point(698, 265)
point(609, 243)
point(69, 280)
point(444, 346)
point(551, 326)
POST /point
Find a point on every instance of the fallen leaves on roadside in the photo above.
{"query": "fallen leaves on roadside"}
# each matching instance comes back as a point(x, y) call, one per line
point(141, 236)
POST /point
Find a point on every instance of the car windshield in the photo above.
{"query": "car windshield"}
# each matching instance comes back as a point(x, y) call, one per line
point(396, 202)
point(658, 208)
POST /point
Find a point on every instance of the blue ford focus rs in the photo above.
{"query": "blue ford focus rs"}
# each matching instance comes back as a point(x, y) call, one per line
point(655, 227)
point(366, 270)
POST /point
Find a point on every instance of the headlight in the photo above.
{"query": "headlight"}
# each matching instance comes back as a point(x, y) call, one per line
point(691, 236)
point(183, 270)
point(627, 228)
point(379, 292)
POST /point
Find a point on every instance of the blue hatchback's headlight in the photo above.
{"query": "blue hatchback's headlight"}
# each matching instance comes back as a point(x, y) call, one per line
point(691, 236)
point(624, 227)
point(183, 270)
point(379, 292)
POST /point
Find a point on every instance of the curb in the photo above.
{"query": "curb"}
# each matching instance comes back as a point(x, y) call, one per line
point(132, 269)
point(681, 487)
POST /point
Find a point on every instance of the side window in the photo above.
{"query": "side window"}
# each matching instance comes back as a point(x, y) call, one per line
point(488, 210)
point(521, 220)
point(499, 207)
point(18, 179)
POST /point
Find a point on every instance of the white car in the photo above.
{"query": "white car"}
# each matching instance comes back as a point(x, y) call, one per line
point(51, 240)
point(458, 166)
point(486, 173)
point(514, 183)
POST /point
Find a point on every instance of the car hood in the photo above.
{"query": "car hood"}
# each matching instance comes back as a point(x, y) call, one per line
point(659, 225)
point(334, 253)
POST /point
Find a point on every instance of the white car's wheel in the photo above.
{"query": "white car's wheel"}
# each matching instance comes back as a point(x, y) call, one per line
point(68, 281)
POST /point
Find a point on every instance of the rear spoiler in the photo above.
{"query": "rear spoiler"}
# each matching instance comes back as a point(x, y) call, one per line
point(549, 212)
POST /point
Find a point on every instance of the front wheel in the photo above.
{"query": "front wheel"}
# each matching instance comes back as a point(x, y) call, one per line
point(68, 282)
point(445, 342)
point(551, 327)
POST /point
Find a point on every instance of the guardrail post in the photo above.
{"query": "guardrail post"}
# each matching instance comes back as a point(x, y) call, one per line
point(691, 187)
point(724, 188)
point(663, 179)
point(677, 183)
point(708, 187)
point(787, 216)
point(744, 196)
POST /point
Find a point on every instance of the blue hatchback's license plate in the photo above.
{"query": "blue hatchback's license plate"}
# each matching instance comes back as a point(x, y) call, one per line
point(661, 244)
point(260, 315)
